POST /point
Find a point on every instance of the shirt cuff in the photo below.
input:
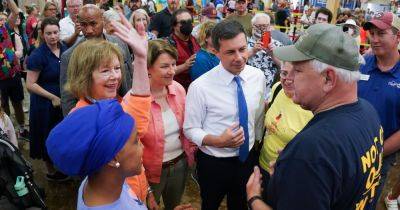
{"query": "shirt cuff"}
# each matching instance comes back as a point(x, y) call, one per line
point(196, 135)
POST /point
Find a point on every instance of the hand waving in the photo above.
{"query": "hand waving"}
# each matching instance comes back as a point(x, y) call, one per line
point(130, 36)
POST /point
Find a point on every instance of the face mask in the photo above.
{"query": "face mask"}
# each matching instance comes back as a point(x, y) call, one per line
point(186, 28)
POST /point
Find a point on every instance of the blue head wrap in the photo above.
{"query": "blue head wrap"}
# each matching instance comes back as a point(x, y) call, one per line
point(89, 138)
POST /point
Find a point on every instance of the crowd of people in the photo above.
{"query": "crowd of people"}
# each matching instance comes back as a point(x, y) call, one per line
point(133, 102)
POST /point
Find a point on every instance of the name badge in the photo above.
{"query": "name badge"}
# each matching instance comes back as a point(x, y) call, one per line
point(364, 77)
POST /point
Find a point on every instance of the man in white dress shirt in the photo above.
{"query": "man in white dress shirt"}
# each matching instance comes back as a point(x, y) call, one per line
point(69, 27)
point(214, 119)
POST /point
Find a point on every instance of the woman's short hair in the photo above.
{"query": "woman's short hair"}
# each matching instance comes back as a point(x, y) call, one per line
point(120, 5)
point(137, 12)
point(47, 5)
point(205, 32)
point(111, 15)
point(85, 59)
point(158, 47)
point(49, 21)
point(30, 8)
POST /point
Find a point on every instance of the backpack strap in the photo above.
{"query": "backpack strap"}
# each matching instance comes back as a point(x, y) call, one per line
point(275, 93)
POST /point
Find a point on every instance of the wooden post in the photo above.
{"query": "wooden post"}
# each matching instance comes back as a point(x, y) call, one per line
point(333, 6)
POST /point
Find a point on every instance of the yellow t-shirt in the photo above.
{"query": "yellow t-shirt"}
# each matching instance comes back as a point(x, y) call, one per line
point(283, 120)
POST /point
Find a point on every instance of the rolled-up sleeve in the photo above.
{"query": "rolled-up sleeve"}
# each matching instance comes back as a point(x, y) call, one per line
point(139, 108)
point(195, 112)
point(260, 113)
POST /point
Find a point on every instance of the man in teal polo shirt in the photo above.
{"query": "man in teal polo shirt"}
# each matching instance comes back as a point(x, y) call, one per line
point(380, 81)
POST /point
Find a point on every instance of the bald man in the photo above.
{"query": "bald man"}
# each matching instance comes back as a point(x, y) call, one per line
point(90, 19)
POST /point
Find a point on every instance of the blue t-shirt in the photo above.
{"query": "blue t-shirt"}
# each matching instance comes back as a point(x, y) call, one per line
point(333, 163)
point(126, 201)
point(382, 90)
point(204, 62)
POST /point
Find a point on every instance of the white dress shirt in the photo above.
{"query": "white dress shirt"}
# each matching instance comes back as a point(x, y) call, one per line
point(211, 106)
point(67, 27)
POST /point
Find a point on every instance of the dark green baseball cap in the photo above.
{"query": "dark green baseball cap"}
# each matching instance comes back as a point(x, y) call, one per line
point(326, 43)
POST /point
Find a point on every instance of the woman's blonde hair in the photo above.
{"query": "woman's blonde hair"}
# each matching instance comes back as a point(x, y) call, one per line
point(30, 8)
point(47, 5)
point(85, 59)
point(158, 47)
point(135, 13)
point(205, 32)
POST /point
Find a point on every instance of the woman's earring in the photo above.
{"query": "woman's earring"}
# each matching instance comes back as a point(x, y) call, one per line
point(149, 75)
point(117, 165)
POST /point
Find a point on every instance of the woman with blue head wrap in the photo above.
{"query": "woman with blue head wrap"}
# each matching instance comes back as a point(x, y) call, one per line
point(99, 142)
point(95, 72)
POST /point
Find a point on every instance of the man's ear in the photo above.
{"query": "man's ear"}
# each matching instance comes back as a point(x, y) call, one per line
point(330, 79)
point(398, 38)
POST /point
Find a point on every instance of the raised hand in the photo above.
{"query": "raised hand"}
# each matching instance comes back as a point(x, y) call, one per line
point(253, 186)
point(130, 36)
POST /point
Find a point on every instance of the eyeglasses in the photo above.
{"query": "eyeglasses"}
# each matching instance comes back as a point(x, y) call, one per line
point(107, 72)
point(322, 19)
point(141, 20)
point(262, 27)
point(284, 74)
point(74, 6)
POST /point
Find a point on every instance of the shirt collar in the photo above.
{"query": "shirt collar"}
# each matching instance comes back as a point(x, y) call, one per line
point(70, 20)
point(395, 71)
point(171, 91)
point(48, 50)
point(227, 77)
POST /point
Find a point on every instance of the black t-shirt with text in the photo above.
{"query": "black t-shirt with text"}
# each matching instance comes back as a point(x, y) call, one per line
point(333, 163)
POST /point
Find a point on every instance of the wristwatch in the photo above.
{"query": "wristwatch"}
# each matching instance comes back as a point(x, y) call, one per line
point(252, 199)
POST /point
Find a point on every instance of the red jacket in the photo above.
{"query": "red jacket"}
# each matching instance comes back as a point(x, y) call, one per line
point(184, 53)
point(153, 141)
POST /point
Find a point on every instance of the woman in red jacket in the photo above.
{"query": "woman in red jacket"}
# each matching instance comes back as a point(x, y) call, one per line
point(167, 153)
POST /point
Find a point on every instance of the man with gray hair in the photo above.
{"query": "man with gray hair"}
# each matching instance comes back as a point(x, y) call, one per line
point(261, 56)
point(109, 16)
point(69, 27)
point(335, 161)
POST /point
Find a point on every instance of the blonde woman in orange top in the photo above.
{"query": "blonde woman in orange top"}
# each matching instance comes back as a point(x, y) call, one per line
point(95, 73)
